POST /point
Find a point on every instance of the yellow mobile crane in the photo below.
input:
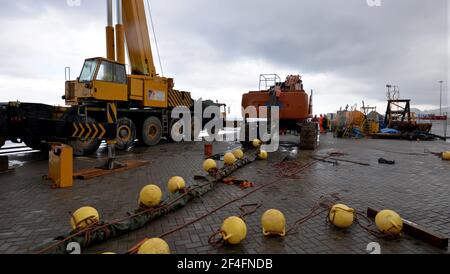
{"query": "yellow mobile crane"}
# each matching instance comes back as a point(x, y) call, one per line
point(104, 102)
point(140, 103)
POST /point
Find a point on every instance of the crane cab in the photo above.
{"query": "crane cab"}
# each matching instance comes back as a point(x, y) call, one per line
point(104, 80)
point(100, 80)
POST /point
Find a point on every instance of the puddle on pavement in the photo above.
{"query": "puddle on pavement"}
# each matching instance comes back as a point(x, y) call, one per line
point(290, 149)
point(20, 159)
point(16, 163)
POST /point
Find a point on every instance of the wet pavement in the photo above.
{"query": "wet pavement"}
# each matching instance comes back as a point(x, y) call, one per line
point(417, 187)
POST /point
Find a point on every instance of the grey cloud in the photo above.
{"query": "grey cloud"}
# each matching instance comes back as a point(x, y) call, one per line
point(403, 42)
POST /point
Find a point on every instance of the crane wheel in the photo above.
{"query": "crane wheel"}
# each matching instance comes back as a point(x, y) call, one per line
point(126, 133)
point(84, 146)
point(177, 127)
point(36, 144)
point(151, 131)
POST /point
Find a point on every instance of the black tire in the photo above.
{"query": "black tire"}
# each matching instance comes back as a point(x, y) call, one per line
point(195, 132)
point(37, 145)
point(151, 131)
point(84, 146)
point(126, 133)
point(179, 128)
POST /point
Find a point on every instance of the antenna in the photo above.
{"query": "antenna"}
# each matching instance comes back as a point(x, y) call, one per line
point(393, 92)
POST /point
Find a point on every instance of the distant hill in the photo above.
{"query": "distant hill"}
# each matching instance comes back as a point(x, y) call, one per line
point(435, 111)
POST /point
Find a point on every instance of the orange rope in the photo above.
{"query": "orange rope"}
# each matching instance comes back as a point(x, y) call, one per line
point(291, 173)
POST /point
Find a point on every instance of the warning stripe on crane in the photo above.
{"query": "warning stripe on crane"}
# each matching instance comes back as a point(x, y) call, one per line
point(88, 130)
point(112, 113)
point(179, 98)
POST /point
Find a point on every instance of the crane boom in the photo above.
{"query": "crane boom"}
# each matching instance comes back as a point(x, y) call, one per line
point(137, 38)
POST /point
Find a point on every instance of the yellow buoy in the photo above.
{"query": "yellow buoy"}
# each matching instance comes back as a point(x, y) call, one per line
point(176, 183)
point(341, 216)
point(239, 154)
point(154, 246)
point(209, 164)
point(84, 217)
point(150, 196)
point(389, 222)
point(446, 155)
point(273, 223)
point(263, 155)
point(257, 143)
point(234, 230)
point(229, 159)
point(108, 253)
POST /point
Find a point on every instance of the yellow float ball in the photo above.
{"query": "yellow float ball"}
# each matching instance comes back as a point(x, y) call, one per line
point(154, 246)
point(234, 230)
point(84, 217)
point(176, 183)
point(150, 196)
point(209, 164)
point(389, 222)
point(446, 155)
point(257, 143)
point(263, 155)
point(341, 216)
point(239, 154)
point(273, 223)
point(229, 159)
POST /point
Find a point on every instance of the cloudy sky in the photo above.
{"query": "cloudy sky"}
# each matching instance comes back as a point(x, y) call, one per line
point(346, 51)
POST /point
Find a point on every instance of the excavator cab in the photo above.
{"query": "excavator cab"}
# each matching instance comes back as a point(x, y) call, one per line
point(100, 79)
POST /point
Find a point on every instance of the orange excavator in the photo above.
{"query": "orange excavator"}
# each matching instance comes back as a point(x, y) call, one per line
point(294, 103)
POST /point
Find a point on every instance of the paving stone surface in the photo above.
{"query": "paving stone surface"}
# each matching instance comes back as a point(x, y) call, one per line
point(417, 187)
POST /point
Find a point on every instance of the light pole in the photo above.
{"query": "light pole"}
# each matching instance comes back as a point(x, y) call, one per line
point(440, 98)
